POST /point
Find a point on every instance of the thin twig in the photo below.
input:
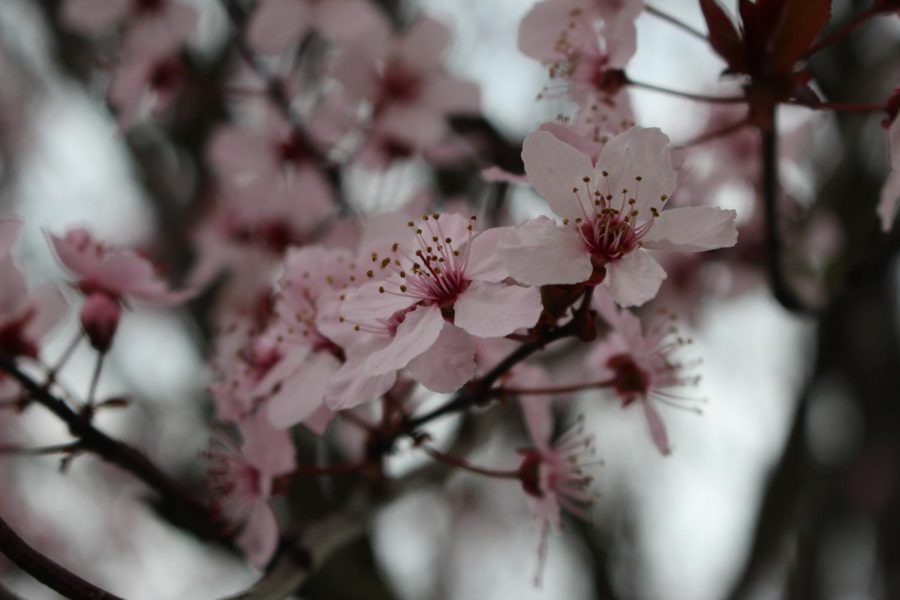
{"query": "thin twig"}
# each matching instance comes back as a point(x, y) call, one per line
point(687, 95)
point(652, 10)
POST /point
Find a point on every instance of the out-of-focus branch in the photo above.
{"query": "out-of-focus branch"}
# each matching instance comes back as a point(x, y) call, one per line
point(176, 502)
point(51, 574)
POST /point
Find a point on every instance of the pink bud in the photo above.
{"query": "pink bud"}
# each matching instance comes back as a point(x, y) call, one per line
point(99, 319)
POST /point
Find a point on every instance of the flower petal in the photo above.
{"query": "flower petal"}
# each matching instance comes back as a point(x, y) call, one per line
point(270, 450)
point(692, 229)
point(259, 537)
point(301, 395)
point(415, 335)
point(634, 279)
point(483, 260)
point(276, 24)
point(555, 169)
point(448, 364)
point(494, 309)
point(638, 161)
point(540, 252)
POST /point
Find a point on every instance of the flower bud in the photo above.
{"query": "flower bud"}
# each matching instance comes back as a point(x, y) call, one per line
point(99, 319)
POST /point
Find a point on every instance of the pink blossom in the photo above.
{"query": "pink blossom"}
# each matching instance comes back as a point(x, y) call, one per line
point(276, 24)
point(442, 278)
point(890, 193)
point(152, 16)
point(612, 211)
point(108, 277)
point(242, 480)
point(149, 78)
point(553, 474)
point(642, 366)
point(407, 89)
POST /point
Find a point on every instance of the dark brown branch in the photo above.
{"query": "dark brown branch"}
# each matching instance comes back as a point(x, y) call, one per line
point(51, 574)
point(176, 502)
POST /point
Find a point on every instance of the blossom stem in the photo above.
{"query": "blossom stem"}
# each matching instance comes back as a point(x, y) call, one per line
point(714, 135)
point(652, 10)
point(842, 32)
point(686, 95)
point(66, 355)
point(566, 389)
point(461, 463)
point(95, 379)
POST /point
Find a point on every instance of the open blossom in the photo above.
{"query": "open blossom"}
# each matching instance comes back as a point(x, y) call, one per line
point(642, 366)
point(276, 24)
point(612, 211)
point(407, 89)
point(241, 479)
point(107, 277)
point(890, 193)
point(553, 474)
point(444, 278)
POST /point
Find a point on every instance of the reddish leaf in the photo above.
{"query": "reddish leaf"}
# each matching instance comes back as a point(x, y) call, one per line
point(801, 21)
point(723, 35)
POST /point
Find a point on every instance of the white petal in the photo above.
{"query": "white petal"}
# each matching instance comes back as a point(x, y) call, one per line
point(555, 169)
point(639, 161)
point(495, 309)
point(692, 229)
point(541, 252)
point(634, 279)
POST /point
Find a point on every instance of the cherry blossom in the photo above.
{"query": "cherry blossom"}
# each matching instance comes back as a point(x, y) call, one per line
point(612, 211)
point(553, 474)
point(242, 480)
point(890, 193)
point(642, 365)
point(444, 278)
point(108, 277)
point(407, 90)
point(276, 24)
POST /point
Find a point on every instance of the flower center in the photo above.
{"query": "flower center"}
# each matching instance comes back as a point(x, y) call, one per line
point(630, 381)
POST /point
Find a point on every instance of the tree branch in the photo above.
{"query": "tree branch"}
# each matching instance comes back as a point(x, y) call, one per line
point(51, 574)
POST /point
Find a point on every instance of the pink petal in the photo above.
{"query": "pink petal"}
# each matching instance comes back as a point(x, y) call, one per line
point(366, 302)
point(448, 364)
point(557, 171)
point(318, 422)
point(692, 229)
point(484, 259)
point(13, 290)
point(634, 279)
point(350, 20)
point(270, 450)
point(415, 335)
point(452, 95)
point(93, 16)
point(237, 152)
point(351, 385)
point(572, 136)
point(890, 193)
point(657, 428)
point(276, 24)
point(302, 394)
point(540, 252)
point(495, 309)
point(259, 537)
point(49, 309)
point(542, 28)
point(639, 161)
point(422, 46)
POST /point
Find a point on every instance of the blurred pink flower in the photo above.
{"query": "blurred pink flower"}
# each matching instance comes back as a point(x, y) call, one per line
point(242, 480)
point(277, 24)
point(612, 211)
point(642, 366)
point(553, 474)
point(108, 277)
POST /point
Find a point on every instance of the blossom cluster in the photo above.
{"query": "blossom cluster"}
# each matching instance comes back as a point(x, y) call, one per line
point(332, 317)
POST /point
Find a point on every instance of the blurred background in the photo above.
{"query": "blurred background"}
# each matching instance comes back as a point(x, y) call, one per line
point(786, 486)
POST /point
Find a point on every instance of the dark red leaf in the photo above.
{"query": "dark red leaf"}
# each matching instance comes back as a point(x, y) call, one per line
point(801, 21)
point(723, 35)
